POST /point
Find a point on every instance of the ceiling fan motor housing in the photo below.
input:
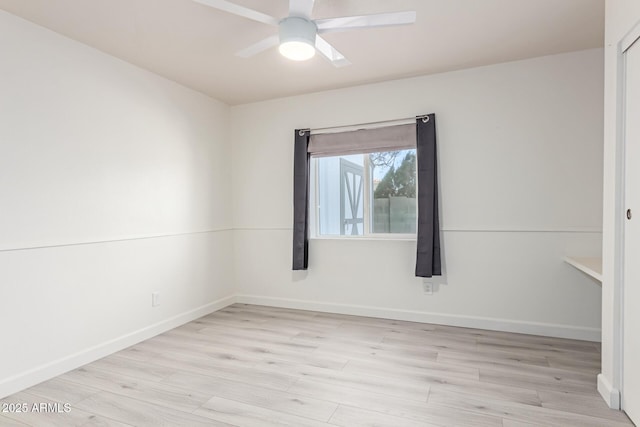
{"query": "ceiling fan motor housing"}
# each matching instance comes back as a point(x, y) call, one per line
point(298, 29)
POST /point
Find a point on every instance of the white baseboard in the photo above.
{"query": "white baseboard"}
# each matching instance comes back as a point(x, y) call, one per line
point(610, 394)
point(532, 328)
point(49, 370)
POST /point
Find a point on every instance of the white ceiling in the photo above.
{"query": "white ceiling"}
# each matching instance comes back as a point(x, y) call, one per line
point(195, 45)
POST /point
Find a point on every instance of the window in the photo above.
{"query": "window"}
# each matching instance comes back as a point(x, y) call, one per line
point(363, 183)
point(366, 194)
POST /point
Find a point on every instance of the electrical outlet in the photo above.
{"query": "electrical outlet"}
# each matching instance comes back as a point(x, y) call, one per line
point(155, 299)
point(428, 287)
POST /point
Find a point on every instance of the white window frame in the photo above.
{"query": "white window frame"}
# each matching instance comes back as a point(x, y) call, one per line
point(314, 208)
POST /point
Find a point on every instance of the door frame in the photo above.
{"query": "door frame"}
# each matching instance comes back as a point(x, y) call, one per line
point(625, 43)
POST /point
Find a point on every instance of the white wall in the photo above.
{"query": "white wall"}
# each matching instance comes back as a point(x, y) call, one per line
point(520, 152)
point(621, 15)
point(113, 185)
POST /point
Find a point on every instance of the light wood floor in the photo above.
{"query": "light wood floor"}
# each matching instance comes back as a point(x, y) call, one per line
point(258, 366)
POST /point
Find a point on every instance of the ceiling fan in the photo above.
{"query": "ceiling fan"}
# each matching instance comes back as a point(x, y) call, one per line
point(299, 35)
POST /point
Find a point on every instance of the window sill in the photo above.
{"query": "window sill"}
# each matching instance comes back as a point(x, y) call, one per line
point(393, 238)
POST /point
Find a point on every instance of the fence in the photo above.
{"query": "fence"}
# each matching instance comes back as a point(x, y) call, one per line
point(394, 215)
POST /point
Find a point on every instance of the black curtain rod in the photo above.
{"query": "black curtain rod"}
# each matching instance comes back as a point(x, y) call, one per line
point(424, 117)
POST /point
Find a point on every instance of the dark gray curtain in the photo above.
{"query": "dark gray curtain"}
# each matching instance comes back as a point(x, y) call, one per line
point(301, 164)
point(428, 239)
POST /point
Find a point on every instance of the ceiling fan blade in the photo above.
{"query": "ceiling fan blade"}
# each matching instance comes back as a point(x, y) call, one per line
point(365, 21)
point(261, 46)
point(235, 9)
point(301, 8)
point(330, 52)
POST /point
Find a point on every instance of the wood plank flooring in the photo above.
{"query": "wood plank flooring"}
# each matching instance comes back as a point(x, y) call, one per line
point(260, 366)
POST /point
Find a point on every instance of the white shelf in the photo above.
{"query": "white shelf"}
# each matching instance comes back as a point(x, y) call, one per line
point(589, 266)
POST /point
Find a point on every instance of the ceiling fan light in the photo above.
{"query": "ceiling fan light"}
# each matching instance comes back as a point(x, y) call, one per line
point(297, 38)
point(297, 50)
